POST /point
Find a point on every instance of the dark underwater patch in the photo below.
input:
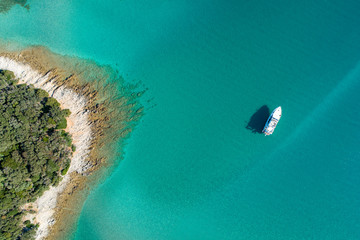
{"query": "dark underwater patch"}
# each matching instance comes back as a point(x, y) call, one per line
point(6, 5)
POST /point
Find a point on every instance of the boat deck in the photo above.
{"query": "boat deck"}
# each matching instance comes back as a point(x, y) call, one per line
point(272, 121)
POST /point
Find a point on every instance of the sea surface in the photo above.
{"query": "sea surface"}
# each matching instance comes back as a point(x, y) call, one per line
point(196, 167)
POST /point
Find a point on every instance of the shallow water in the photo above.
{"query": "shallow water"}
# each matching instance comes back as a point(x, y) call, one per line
point(192, 169)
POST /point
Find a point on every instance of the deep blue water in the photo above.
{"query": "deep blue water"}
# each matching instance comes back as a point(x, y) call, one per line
point(192, 170)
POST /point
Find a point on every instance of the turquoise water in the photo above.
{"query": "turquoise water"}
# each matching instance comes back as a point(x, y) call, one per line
point(192, 170)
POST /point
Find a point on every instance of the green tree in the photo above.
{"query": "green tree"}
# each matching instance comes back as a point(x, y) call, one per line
point(34, 153)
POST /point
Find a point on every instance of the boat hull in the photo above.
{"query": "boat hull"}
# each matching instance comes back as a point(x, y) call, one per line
point(272, 121)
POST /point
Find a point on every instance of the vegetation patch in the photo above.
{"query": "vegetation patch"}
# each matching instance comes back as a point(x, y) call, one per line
point(35, 151)
point(6, 5)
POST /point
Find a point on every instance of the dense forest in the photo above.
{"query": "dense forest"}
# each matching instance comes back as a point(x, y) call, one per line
point(35, 151)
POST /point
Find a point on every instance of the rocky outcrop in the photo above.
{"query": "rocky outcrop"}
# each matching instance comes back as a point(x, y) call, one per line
point(79, 126)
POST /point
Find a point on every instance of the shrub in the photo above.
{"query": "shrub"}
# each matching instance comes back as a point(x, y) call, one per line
point(62, 124)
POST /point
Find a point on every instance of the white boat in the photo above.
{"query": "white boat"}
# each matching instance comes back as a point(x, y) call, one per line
point(272, 121)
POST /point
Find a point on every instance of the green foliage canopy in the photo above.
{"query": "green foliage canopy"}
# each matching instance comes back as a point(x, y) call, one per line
point(34, 151)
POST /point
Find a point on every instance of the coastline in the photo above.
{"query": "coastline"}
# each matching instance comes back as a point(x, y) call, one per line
point(99, 117)
point(79, 128)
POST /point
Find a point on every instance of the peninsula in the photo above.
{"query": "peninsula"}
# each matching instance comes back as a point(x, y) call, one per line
point(74, 120)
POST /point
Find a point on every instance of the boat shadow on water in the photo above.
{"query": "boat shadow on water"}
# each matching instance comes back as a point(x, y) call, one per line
point(258, 119)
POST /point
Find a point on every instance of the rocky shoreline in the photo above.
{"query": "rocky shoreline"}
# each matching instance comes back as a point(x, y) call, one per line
point(90, 124)
point(79, 127)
